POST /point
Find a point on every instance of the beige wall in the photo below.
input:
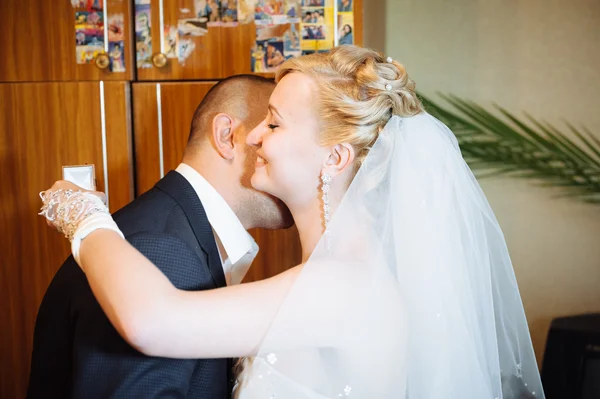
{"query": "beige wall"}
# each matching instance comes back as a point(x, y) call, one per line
point(538, 56)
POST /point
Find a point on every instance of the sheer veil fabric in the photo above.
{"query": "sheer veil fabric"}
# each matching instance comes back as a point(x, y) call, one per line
point(411, 292)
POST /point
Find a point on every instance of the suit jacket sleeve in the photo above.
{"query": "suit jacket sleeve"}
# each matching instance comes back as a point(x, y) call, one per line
point(108, 366)
point(50, 373)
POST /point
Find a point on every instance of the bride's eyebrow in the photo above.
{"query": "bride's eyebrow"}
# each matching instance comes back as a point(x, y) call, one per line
point(274, 110)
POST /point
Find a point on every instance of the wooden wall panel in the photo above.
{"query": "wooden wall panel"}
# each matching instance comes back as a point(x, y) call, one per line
point(119, 143)
point(237, 45)
point(44, 126)
point(178, 103)
point(37, 39)
point(358, 24)
point(145, 136)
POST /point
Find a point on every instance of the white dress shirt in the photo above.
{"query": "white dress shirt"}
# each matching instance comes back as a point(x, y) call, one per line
point(237, 248)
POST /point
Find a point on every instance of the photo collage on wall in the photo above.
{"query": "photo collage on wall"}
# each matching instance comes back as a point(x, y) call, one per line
point(217, 12)
point(89, 34)
point(277, 33)
point(345, 22)
point(191, 23)
point(317, 25)
point(116, 43)
point(143, 33)
point(284, 28)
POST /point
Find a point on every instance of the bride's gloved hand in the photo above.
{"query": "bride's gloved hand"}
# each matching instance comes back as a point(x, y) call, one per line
point(75, 212)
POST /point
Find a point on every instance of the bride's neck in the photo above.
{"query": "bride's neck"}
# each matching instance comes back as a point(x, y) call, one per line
point(309, 220)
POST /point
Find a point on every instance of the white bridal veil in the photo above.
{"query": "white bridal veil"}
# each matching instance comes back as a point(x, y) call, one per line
point(412, 293)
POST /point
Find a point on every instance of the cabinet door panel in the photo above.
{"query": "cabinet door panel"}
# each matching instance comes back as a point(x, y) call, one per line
point(203, 60)
point(38, 40)
point(44, 126)
point(176, 103)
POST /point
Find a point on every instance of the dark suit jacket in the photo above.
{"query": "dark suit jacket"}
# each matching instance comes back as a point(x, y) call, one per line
point(78, 353)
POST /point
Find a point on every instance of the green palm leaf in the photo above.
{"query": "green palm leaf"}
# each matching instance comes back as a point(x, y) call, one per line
point(532, 149)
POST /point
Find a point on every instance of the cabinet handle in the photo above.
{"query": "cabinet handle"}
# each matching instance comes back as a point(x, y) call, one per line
point(159, 60)
point(102, 61)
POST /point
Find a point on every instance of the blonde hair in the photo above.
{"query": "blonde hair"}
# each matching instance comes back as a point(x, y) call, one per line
point(358, 92)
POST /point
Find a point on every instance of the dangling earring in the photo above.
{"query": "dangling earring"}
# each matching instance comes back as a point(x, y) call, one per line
point(327, 179)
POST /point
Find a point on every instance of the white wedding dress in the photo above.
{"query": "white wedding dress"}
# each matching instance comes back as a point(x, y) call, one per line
point(264, 381)
point(410, 293)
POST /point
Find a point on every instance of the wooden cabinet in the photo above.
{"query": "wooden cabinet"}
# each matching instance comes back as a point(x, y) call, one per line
point(38, 40)
point(221, 51)
point(44, 126)
point(162, 116)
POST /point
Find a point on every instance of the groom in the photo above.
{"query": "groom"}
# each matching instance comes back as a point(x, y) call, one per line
point(206, 204)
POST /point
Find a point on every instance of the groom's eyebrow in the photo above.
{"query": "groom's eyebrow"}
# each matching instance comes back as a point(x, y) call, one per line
point(273, 109)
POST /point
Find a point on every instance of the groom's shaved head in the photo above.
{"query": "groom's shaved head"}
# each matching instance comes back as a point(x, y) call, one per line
point(243, 97)
point(228, 164)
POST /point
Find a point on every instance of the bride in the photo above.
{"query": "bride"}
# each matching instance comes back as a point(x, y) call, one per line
point(406, 288)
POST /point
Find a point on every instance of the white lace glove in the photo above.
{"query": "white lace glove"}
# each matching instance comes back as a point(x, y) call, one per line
point(76, 214)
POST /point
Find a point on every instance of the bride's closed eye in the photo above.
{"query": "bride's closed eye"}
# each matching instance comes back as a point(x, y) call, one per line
point(272, 126)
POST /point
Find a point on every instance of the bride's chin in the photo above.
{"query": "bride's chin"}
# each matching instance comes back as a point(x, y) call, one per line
point(259, 182)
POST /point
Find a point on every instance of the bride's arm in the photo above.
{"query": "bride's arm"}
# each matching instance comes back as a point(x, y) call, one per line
point(159, 320)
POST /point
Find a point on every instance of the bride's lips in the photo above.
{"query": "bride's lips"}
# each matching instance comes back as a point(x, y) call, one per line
point(260, 161)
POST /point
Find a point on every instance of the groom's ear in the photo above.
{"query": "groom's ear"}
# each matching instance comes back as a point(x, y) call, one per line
point(340, 158)
point(222, 135)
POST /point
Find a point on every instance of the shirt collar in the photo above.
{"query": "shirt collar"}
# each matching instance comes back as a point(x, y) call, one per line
point(235, 239)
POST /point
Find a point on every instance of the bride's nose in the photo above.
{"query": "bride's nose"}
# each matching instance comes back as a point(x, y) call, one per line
point(255, 136)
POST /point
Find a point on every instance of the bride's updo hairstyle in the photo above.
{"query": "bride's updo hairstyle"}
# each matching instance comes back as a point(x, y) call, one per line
point(358, 92)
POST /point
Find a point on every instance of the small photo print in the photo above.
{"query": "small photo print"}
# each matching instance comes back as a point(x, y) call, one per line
point(267, 55)
point(313, 16)
point(266, 10)
point(117, 56)
point(346, 28)
point(292, 10)
point(171, 42)
point(143, 38)
point(89, 37)
point(344, 5)
point(209, 9)
point(116, 27)
point(257, 57)
point(95, 5)
point(186, 48)
point(89, 19)
point(245, 11)
point(314, 32)
point(271, 32)
point(274, 44)
point(87, 54)
point(308, 52)
point(291, 39)
point(313, 3)
point(229, 11)
point(193, 26)
point(274, 55)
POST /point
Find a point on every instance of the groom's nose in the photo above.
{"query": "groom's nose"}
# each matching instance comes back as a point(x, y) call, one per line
point(255, 136)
